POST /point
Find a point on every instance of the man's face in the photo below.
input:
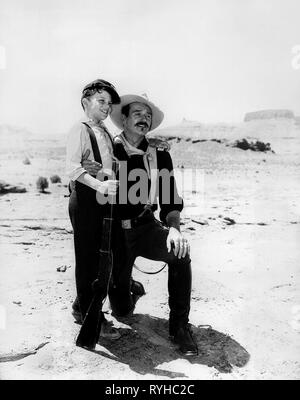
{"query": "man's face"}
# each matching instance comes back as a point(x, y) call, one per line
point(139, 119)
point(98, 106)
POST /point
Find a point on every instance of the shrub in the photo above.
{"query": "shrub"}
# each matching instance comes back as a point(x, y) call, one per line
point(261, 146)
point(55, 179)
point(26, 161)
point(254, 146)
point(242, 144)
point(42, 184)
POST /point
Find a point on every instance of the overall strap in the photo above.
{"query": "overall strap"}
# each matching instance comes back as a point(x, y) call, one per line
point(94, 143)
point(108, 134)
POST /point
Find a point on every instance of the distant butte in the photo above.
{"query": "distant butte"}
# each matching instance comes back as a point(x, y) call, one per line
point(269, 114)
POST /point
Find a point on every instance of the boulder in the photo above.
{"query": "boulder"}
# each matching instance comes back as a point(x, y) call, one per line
point(7, 188)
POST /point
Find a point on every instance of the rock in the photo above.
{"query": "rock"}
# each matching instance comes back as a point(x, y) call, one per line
point(200, 222)
point(199, 140)
point(35, 228)
point(216, 140)
point(229, 221)
point(171, 137)
point(62, 268)
point(7, 188)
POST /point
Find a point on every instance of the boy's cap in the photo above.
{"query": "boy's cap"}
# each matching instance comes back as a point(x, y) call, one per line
point(102, 84)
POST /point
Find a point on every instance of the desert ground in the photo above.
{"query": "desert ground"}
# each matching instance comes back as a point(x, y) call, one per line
point(243, 224)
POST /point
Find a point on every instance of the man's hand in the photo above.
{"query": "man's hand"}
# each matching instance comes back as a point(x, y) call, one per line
point(109, 187)
point(181, 246)
point(91, 167)
point(159, 143)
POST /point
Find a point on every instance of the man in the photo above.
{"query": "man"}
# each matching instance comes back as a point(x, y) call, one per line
point(144, 235)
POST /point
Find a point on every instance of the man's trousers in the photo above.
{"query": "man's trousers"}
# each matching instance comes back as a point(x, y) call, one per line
point(149, 241)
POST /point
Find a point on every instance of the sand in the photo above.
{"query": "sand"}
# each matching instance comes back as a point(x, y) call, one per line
point(244, 229)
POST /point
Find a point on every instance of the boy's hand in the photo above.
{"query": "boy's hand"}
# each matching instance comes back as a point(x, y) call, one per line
point(159, 143)
point(109, 187)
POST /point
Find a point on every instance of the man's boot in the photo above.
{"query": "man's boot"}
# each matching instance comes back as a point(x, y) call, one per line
point(184, 338)
point(179, 286)
point(123, 302)
point(76, 311)
point(137, 290)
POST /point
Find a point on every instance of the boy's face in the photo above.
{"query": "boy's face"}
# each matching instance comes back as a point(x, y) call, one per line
point(99, 105)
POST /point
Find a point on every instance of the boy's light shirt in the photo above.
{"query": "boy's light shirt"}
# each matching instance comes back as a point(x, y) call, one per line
point(78, 143)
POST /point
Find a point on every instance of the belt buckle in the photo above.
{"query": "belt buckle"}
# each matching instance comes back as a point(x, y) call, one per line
point(126, 224)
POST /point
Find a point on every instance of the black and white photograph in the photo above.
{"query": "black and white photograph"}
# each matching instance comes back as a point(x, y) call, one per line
point(149, 192)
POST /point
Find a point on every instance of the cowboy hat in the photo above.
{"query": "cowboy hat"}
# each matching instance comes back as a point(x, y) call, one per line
point(116, 114)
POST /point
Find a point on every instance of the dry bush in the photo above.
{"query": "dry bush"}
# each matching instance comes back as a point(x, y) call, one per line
point(42, 183)
point(55, 179)
point(254, 146)
point(26, 161)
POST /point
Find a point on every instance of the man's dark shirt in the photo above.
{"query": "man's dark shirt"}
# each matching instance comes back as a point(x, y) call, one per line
point(165, 191)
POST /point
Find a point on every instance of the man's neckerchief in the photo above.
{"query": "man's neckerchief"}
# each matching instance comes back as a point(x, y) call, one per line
point(132, 150)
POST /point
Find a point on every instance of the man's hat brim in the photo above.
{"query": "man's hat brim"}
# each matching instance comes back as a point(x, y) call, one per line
point(116, 114)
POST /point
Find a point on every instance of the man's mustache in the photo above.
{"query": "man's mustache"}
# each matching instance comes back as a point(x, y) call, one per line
point(142, 123)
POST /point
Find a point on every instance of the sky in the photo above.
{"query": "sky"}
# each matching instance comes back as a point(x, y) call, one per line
point(203, 60)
